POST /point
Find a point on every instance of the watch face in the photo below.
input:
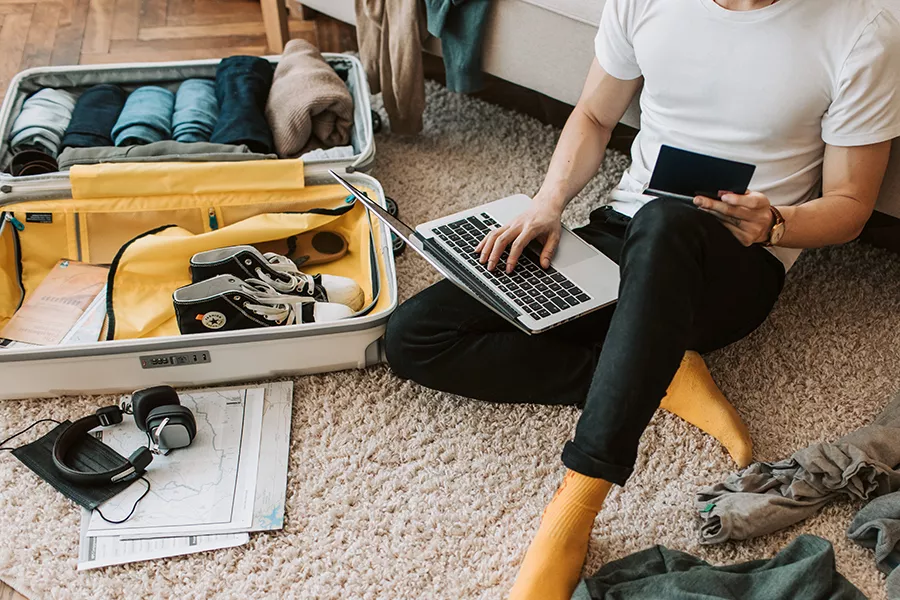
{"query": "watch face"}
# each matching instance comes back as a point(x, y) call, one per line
point(777, 234)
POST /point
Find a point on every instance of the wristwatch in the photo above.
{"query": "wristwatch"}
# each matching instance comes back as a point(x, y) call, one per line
point(777, 231)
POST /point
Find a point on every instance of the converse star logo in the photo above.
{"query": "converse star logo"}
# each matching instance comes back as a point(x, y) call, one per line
point(213, 320)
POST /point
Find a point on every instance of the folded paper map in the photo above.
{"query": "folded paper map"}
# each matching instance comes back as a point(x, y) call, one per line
point(56, 304)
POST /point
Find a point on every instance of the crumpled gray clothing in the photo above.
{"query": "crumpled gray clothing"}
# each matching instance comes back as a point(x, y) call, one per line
point(877, 526)
point(892, 585)
point(766, 497)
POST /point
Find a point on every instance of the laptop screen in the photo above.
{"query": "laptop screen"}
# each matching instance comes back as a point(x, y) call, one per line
point(400, 228)
point(427, 248)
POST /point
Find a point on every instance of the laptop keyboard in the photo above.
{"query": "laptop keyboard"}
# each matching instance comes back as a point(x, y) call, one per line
point(539, 293)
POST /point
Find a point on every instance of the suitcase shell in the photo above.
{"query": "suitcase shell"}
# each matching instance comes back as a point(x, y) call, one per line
point(202, 359)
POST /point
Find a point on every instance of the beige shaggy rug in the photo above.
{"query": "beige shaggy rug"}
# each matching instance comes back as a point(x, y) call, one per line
point(399, 492)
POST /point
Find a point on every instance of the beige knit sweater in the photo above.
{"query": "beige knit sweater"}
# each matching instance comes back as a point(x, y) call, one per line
point(309, 105)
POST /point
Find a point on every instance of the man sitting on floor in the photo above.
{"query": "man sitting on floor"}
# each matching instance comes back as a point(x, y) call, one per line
point(806, 90)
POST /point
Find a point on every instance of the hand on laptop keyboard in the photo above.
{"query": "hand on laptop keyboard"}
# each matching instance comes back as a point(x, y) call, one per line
point(538, 292)
point(541, 222)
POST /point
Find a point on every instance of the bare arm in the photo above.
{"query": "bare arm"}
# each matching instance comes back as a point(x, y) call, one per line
point(575, 161)
point(851, 179)
point(582, 145)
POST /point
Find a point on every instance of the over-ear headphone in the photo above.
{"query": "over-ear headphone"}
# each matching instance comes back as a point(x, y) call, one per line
point(157, 411)
point(133, 468)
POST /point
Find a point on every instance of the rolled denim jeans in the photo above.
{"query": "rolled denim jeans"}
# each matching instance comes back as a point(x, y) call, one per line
point(146, 117)
point(95, 114)
point(43, 120)
point(242, 89)
point(196, 111)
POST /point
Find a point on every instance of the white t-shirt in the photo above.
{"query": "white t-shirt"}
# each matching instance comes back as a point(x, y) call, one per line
point(769, 86)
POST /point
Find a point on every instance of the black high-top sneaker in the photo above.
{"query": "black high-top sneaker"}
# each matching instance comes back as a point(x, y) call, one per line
point(225, 303)
point(280, 272)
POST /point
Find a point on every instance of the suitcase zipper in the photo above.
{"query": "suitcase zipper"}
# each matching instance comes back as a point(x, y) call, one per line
point(33, 190)
point(213, 219)
point(15, 222)
point(77, 221)
point(111, 280)
point(17, 227)
point(20, 226)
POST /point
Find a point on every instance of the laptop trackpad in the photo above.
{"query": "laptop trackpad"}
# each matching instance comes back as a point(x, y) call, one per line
point(571, 251)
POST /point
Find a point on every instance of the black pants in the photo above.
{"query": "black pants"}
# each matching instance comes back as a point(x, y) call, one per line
point(686, 284)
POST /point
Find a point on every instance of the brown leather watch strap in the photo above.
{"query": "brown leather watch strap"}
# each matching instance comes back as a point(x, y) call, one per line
point(778, 219)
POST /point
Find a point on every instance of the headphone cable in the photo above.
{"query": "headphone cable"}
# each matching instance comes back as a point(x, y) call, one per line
point(36, 423)
point(133, 508)
point(26, 430)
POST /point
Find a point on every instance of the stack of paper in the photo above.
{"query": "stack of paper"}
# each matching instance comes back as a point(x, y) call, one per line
point(86, 330)
point(207, 496)
point(68, 307)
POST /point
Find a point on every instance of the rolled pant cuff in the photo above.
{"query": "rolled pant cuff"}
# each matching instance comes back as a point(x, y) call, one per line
point(575, 459)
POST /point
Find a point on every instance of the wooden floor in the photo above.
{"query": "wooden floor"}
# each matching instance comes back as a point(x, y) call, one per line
point(66, 32)
point(7, 593)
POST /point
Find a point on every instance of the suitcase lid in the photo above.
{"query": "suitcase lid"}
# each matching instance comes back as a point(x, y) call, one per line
point(30, 80)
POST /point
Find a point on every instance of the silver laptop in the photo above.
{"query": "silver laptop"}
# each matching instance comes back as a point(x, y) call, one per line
point(580, 279)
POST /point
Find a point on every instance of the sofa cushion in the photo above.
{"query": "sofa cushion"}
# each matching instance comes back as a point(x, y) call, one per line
point(586, 11)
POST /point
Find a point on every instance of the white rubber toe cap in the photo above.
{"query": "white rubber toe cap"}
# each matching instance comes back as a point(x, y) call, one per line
point(343, 290)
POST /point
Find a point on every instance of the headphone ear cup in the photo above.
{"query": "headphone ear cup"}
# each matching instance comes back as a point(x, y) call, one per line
point(177, 415)
point(140, 458)
point(143, 402)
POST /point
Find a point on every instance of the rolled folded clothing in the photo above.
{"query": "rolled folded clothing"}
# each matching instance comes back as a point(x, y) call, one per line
point(196, 111)
point(166, 151)
point(32, 161)
point(43, 120)
point(337, 152)
point(309, 105)
point(242, 87)
point(145, 118)
point(94, 117)
point(342, 70)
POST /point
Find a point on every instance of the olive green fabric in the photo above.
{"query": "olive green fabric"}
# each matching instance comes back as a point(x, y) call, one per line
point(804, 570)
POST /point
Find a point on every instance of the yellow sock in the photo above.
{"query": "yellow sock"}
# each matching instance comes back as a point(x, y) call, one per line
point(555, 557)
point(695, 397)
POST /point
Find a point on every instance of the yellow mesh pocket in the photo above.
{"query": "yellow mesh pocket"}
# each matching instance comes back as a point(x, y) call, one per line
point(10, 293)
point(104, 233)
point(230, 215)
point(152, 267)
point(45, 238)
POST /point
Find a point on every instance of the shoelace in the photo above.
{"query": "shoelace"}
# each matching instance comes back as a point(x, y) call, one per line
point(298, 281)
point(273, 305)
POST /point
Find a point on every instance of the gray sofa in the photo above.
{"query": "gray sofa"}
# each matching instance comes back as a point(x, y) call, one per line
point(548, 46)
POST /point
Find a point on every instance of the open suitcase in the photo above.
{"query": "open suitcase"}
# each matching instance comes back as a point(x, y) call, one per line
point(117, 214)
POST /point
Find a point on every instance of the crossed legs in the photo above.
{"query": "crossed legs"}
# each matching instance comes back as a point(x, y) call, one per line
point(686, 284)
